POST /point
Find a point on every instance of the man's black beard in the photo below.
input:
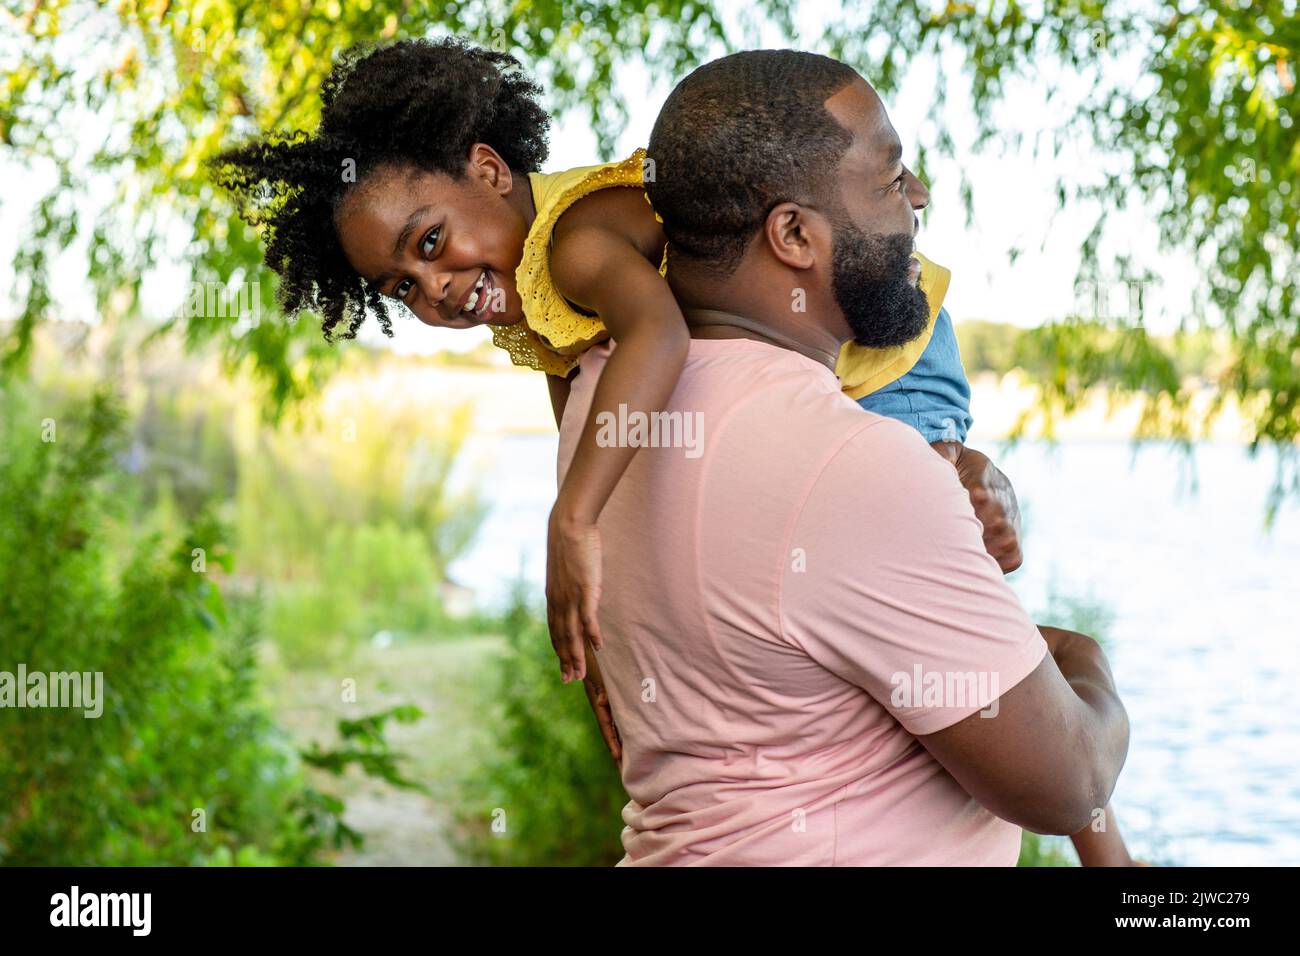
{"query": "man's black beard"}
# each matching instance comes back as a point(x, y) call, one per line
point(872, 284)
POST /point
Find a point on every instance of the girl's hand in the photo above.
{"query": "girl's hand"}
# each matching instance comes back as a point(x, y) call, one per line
point(599, 701)
point(572, 592)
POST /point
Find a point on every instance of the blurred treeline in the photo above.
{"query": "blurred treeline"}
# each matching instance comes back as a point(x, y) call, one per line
point(997, 347)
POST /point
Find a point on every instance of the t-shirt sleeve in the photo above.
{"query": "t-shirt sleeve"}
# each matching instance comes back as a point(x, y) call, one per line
point(888, 584)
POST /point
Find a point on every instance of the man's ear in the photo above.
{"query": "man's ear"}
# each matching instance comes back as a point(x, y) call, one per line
point(485, 163)
point(789, 237)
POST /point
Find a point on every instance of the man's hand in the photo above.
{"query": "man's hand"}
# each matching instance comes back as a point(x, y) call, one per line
point(594, 684)
point(572, 592)
point(993, 499)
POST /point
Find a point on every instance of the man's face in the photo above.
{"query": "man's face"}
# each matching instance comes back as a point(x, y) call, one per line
point(873, 274)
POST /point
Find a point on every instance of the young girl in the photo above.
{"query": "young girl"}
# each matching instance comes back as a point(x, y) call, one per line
point(421, 187)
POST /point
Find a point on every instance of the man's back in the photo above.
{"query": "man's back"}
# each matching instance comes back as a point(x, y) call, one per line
point(778, 601)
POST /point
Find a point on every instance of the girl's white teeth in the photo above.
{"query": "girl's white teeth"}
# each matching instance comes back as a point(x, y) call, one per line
point(471, 305)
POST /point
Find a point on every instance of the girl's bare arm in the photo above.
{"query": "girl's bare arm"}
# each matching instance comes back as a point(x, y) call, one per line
point(605, 259)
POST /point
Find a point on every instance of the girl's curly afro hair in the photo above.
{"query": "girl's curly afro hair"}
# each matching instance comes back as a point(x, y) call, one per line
point(414, 103)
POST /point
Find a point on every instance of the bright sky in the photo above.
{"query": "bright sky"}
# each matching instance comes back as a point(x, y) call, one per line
point(1014, 206)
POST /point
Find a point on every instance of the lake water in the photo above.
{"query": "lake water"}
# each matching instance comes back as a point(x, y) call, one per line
point(1202, 606)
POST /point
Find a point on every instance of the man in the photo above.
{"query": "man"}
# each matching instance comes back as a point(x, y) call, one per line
point(810, 656)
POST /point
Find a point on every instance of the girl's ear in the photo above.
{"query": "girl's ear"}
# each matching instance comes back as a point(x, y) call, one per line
point(485, 163)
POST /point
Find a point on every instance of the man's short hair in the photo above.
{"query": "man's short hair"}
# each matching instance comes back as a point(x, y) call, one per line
point(737, 137)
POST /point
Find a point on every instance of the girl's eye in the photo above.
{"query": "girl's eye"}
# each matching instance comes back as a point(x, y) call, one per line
point(427, 245)
point(430, 241)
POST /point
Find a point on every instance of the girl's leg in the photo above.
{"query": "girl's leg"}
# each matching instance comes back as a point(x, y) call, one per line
point(1101, 844)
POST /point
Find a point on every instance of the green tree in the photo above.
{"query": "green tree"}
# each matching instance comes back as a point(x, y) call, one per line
point(1195, 102)
point(177, 727)
point(138, 93)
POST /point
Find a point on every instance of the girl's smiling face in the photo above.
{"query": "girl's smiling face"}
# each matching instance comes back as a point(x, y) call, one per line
point(446, 248)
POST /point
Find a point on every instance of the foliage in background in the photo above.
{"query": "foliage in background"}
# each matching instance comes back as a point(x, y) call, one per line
point(1193, 105)
point(351, 519)
point(345, 517)
point(998, 347)
point(182, 726)
point(551, 784)
point(365, 746)
point(134, 96)
point(365, 461)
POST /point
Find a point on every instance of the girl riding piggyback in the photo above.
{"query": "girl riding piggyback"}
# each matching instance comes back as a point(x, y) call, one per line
point(420, 193)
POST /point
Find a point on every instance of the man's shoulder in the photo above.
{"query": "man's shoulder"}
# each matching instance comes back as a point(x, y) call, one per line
point(734, 370)
point(782, 400)
point(867, 462)
point(881, 433)
point(846, 428)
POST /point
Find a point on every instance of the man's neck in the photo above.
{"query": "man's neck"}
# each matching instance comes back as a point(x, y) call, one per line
point(722, 324)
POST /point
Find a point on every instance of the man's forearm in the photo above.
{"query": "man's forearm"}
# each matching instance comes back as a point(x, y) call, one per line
point(1084, 666)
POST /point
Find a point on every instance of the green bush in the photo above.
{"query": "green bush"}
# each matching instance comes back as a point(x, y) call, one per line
point(552, 790)
point(372, 578)
point(181, 729)
point(390, 573)
point(1038, 850)
point(311, 625)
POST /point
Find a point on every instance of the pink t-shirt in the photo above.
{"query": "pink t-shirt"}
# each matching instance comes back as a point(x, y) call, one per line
point(787, 605)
